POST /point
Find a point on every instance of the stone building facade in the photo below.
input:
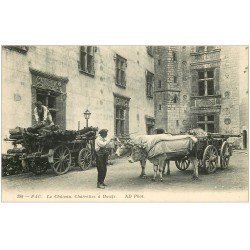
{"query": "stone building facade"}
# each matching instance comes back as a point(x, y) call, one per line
point(244, 90)
point(199, 86)
point(115, 83)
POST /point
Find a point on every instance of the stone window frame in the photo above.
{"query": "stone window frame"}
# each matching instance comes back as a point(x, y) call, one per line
point(86, 62)
point(206, 122)
point(206, 79)
point(121, 103)
point(52, 84)
point(149, 84)
point(120, 71)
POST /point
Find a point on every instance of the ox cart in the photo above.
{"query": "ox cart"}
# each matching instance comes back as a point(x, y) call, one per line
point(37, 150)
point(212, 150)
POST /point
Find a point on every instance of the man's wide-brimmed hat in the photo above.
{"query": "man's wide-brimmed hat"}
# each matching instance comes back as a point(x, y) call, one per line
point(38, 103)
point(103, 131)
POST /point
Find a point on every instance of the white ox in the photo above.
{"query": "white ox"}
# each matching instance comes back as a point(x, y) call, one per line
point(160, 149)
point(126, 149)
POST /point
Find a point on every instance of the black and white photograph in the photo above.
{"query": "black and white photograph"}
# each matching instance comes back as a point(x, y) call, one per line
point(124, 125)
point(148, 123)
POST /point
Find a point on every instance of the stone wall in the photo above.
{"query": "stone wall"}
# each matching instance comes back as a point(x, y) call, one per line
point(228, 63)
point(229, 88)
point(83, 91)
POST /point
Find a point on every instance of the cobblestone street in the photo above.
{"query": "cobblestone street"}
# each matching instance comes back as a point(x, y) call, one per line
point(123, 177)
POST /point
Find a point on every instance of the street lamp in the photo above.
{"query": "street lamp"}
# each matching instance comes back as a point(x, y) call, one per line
point(87, 116)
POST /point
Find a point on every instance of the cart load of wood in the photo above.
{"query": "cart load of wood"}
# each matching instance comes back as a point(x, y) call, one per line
point(41, 147)
point(49, 134)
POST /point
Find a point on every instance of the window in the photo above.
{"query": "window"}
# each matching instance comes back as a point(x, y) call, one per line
point(175, 98)
point(202, 49)
point(150, 123)
point(159, 106)
point(177, 123)
point(149, 83)
point(121, 115)
point(174, 57)
point(206, 83)
point(87, 59)
point(121, 64)
point(175, 79)
point(20, 49)
point(159, 84)
point(206, 122)
point(159, 62)
point(120, 121)
point(49, 100)
point(210, 48)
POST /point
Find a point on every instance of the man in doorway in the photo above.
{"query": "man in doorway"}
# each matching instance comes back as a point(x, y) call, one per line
point(42, 114)
point(102, 145)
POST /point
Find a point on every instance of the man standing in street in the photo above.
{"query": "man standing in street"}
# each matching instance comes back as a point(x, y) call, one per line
point(102, 144)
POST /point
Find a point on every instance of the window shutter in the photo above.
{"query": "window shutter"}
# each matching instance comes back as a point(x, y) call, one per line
point(126, 126)
point(217, 80)
point(61, 111)
point(93, 62)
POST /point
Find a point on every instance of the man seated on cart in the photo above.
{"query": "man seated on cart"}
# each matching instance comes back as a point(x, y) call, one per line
point(42, 114)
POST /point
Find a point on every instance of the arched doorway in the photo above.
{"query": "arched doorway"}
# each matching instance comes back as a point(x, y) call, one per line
point(244, 139)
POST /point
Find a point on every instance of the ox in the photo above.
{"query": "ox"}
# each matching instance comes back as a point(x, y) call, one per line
point(125, 148)
point(140, 153)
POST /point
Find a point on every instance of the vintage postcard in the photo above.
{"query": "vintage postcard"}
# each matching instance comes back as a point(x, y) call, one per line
point(125, 123)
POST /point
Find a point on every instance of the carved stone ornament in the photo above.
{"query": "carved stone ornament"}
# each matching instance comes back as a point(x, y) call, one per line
point(121, 101)
point(205, 102)
point(184, 122)
point(205, 65)
point(226, 111)
point(45, 81)
point(173, 97)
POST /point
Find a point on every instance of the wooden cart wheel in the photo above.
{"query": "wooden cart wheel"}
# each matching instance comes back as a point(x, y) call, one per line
point(210, 159)
point(85, 158)
point(182, 164)
point(225, 154)
point(60, 159)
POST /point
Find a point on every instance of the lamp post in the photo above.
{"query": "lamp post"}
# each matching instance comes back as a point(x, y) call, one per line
point(87, 116)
